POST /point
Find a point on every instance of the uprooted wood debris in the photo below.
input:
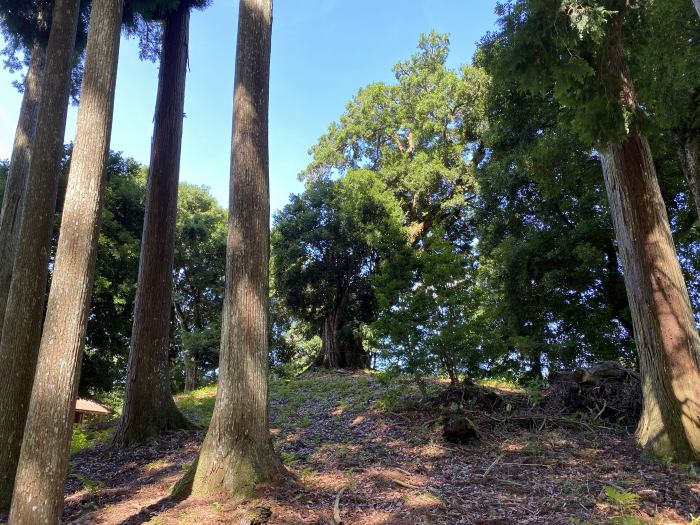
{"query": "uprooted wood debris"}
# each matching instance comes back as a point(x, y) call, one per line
point(604, 391)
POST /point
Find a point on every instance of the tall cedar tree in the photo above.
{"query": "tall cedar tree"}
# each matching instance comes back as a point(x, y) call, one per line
point(24, 25)
point(22, 323)
point(148, 405)
point(237, 452)
point(43, 463)
point(13, 198)
point(664, 327)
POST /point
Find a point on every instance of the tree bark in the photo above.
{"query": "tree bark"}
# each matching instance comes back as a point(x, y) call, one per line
point(664, 328)
point(689, 155)
point(237, 453)
point(149, 408)
point(189, 358)
point(337, 352)
point(190, 372)
point(22, 322)
point(13, 199)
point(696, 3)
point(330, 353)
point(43, 462)
point(353, 355)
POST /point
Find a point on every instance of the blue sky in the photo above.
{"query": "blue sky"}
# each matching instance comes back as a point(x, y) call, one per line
point(322, 52)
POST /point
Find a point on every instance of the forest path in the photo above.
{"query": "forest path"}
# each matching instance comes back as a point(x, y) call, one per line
point(348, 437)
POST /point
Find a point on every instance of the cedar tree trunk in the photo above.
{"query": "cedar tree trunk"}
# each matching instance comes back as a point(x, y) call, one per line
point(341, 352)
point(664, 328)
point(336, 351)
point(149, 408)
point(330, 353)
point(22, 323)
point(689, 154)
point(237, 453)
point(190, 372)
point(13, 199)
point(43, 462)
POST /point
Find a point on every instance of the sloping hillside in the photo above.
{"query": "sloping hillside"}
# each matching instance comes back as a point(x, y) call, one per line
point(356, 453)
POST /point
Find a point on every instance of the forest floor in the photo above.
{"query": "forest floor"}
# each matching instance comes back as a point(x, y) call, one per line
point(356, 450)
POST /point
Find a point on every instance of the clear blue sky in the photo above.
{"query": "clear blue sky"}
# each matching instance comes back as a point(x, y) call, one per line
point(322, 52)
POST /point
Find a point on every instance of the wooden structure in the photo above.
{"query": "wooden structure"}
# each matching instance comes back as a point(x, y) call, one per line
point(89, 407)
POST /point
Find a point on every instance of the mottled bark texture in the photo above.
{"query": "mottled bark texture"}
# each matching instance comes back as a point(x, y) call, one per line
point(22, 322)
point(237, 453)
point(689, 155)
point(338, 351)
point(13, 199)
point(149, 408)
point(664, 328)
point(43, 462)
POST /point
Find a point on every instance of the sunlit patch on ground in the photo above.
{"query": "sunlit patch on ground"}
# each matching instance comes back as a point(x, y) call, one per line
point(389, 467)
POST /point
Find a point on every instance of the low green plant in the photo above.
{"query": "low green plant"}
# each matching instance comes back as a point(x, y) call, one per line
point(387, 376)
point(79, 441)
point(83, 439)
point(389, 400)
point(533, 391)
point(303, 422)
point(623, 499)
point(307, 472)
point(626, 502)
point(289, 458)
point(91, 485)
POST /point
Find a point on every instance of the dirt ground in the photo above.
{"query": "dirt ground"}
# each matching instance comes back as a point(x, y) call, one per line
point(353, 457)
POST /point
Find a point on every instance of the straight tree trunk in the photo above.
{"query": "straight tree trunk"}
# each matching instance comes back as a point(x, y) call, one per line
point(189, 358)
point(689, 155)
point(22, 323)
point(190, 372)
point(664, 328)
point(337, 352)
point(237, 452)
point(330, 351)
point(43, 463)
point(696, 3)
point(149, 408)
point(13, 199)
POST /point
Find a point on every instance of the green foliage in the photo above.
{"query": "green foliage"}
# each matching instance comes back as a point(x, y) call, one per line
point(420, 138)
point(420, 135)
point(547, 248)
point(575, 51)
point(198, 283)
point(197, 278)
point(666, 64)
point(90, 485)
point(85, 438)
point(198, 405)
point(533, 391)
point(388, 375)
point(625, 500)
point(116, 272)
point(436, 324)
point(331, 245)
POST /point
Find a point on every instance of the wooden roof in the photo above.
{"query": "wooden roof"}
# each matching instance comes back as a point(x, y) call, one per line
point(87, 406)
